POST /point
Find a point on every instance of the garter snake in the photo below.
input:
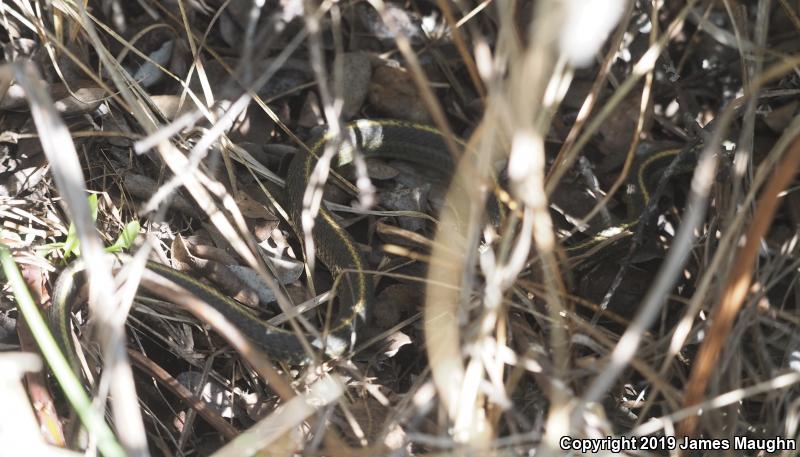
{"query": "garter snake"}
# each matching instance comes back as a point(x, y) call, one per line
point(650, 173)
point(334, 246)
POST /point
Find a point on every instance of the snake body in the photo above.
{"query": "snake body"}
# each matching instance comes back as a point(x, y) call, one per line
point(335, 248)
point(333, 245)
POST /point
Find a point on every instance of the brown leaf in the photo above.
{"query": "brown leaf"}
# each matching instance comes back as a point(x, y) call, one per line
point(392, 92)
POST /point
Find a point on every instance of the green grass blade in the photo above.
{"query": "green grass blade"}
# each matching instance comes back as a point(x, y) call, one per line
point(94, 423)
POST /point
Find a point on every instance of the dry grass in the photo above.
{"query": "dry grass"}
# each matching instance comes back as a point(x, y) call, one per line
point(180, 113)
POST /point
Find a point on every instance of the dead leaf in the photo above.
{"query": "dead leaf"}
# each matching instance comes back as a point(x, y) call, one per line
point(392, 92)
